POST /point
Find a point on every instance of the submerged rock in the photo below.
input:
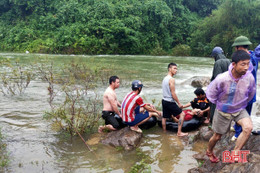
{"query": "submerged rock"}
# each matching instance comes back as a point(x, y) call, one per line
point(125, 138)
point(253, 164)
point(198, 81)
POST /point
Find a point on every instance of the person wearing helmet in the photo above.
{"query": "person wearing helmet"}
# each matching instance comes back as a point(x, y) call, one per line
point(221, 65)
point(133, 101)
point(242, 43)
point(110, 106)
point(170, 103)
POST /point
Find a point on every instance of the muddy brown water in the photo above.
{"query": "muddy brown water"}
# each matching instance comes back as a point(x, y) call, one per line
point(33, 146)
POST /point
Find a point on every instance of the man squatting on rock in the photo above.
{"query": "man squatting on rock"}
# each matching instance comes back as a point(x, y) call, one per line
point(231, 91)
point(131, 114)
point(110, 106)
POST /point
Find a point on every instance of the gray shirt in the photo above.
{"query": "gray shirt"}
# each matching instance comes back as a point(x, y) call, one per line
point(167, 95)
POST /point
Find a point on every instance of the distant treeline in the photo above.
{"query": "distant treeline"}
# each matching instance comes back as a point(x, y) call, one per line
point(157, 27)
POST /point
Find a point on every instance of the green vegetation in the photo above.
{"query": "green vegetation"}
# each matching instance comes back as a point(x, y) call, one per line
point(75, 106)
point(233, 18)
point(143, 165)
point(119, 27)
point(200, 162)
point(3, 154)
point(15, 79)
point(79, 112)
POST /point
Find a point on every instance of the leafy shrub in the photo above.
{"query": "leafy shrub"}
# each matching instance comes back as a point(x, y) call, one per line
point(4, 160)
point(181, 50)
point(16, 80)
point(158, 51)
point(75, 106)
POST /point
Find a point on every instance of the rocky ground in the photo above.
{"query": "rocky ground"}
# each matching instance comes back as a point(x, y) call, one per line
point(253, 145)
point(125, 138)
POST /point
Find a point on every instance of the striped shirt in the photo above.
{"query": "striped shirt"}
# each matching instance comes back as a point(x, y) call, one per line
point(130, 102)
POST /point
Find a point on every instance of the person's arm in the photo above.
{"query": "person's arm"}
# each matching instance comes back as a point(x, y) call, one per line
point(187, 105)
point(252, 89)
point(172, 88)
point(203, 111)
point(257, 53)
point(114, 103)
point(216, 70)
point(150, 105)
point(212, 91)
point(118, 104)
point(151, 109)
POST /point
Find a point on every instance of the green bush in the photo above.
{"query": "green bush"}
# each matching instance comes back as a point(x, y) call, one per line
point(93, 27)
point(158, 51)
point(181, 50)
point(4, 160)
point(15, 79)
point(78, 109)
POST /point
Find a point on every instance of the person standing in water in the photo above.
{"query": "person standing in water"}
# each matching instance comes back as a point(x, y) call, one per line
point(170, 103)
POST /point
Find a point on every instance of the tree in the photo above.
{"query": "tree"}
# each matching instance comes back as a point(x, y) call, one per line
point(232, 19)
point(202, 7)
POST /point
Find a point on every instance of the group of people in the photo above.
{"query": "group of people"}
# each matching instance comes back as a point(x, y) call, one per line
point(132, 107)
point(229, 97)
point(232, 93)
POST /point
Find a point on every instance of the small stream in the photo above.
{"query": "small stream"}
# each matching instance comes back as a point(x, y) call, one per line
point(34, 146)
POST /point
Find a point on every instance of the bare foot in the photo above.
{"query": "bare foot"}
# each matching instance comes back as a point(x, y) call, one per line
point(182, 134)
point(206, 121)
point(136, 129)
point(100, 129)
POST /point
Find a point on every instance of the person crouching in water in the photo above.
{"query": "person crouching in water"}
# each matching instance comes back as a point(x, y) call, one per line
point(231, 91)
point(110, 106)
point(131, 102)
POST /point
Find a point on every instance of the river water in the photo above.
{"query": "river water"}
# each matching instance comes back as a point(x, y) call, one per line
point(33, 146)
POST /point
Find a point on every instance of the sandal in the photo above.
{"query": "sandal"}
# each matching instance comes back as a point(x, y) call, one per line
point(214, 158)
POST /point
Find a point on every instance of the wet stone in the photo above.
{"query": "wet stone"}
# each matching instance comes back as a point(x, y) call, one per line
point(198, 81)
point(125, 138)
point(253, 164)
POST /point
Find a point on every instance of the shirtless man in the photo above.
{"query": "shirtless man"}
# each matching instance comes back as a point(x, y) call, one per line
point(110, 106)
point(170, 102)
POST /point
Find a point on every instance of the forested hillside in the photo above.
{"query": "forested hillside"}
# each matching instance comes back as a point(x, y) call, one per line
point(158, 27)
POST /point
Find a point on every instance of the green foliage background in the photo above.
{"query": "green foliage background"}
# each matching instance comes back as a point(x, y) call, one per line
point(126, 26)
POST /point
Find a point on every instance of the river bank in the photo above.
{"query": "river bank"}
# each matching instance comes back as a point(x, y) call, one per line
point(35, 146)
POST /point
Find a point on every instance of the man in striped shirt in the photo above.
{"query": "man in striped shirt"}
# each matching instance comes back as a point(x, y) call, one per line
point(132, 101)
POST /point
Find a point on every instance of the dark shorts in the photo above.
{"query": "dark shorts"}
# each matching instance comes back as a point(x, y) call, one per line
point(138, 118)
point(109, 118)
point(170, 108)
